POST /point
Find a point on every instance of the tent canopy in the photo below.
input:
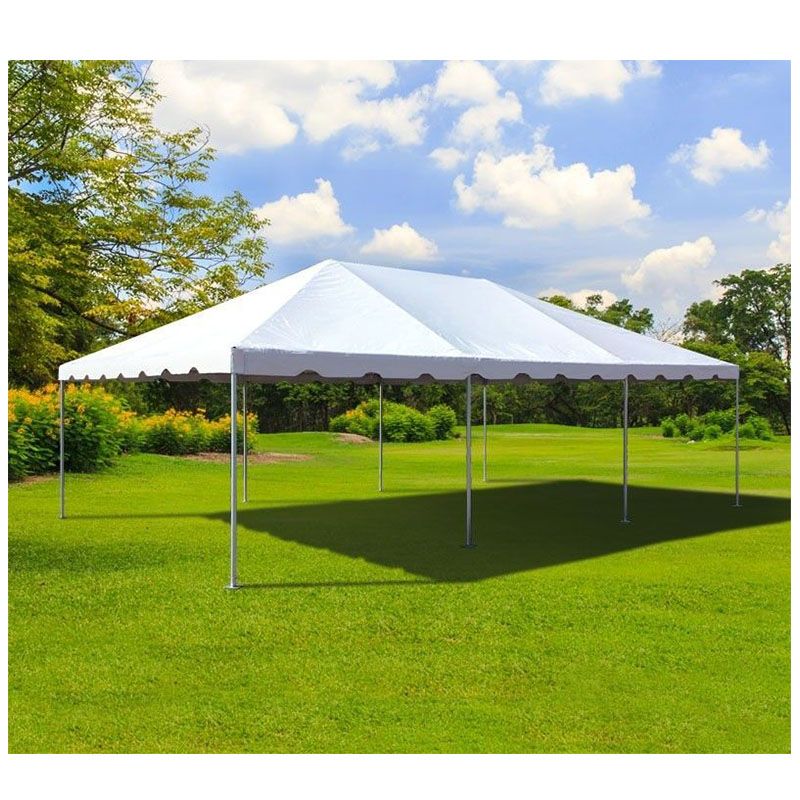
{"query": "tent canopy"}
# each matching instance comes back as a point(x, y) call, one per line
point(343, 321)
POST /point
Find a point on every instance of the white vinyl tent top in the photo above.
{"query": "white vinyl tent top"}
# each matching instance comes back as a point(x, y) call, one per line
point(342, 321)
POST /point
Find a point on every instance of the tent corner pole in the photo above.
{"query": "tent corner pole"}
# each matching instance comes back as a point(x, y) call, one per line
point(485, 461)
point(244, 441)
point(737, 500)
point(625, 450)
point(234, 493)
point(469, 540)
point(61, 487)
point(380, 436)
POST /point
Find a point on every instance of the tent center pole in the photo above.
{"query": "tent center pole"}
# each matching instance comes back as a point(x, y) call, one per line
point(244, 441)
point(737, 502)
point(469, 540)
point(380, 437)
point(485, 462)
point(62, 512)
point(625, 450)
point(234, 493)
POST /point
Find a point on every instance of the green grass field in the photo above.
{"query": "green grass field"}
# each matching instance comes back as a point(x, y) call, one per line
point(364, 626)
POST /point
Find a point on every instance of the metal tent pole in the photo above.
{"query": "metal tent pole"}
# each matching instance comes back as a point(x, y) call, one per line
point(234, 495)
point(737, 504)
point(625, 451)
point(469, 541)
point(380, 437)
point(244, 441)
point(484, 435)
point(63, 512)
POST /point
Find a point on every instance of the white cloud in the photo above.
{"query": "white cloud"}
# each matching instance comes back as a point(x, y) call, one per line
point(304, 217)
point(465, 82)
point(482, 123)
point(571, 80)
point(447, 158)
point(673, 273)
point(530, 191)
point(710, 157)
point(358, 148)
point(263, 104)
point(580, 297)
point(779, 220)
point(471, 83)
point(400, 243)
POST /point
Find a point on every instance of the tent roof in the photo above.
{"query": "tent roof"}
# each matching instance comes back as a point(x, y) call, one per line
point(342, 321)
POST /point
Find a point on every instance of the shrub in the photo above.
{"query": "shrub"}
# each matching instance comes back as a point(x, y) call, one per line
point(444, 421)
point(668, 428)
point(747, 431)
point(682, 422)
point(98, 427)
point(695, 431)
point(400, 423)
point(716, 424)
point(761, 427)
point(93, 429)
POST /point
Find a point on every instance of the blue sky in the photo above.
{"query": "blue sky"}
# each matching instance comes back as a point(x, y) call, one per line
point(645, 180)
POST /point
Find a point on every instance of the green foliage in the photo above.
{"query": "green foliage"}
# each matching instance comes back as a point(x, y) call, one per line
point(98, 427)
point(716, 424)
point(444, 421)
point(400, 423)
point(108, 236)
point(620, 312)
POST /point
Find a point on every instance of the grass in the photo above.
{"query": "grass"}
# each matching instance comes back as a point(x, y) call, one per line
point(365, 627)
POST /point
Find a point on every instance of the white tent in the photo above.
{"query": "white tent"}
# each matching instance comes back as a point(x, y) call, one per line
point(339, 321)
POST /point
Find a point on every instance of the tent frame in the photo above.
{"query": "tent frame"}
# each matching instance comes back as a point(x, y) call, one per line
point(469, 540)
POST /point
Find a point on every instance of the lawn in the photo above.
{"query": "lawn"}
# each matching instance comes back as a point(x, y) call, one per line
point(364, 626)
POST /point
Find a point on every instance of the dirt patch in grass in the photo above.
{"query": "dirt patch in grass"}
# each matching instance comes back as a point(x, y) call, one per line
point(353, 438)
point(252, 458)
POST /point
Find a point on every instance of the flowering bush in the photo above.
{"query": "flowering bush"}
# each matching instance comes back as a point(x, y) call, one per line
point(98, 427)
point(400, 423)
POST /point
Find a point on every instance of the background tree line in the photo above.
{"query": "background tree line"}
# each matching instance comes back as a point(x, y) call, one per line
point(110, 235)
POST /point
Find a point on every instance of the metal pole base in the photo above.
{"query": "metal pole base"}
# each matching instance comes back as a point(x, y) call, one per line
point(625, 521)
point(468, 546)
point(737, 505)
point(232, 586)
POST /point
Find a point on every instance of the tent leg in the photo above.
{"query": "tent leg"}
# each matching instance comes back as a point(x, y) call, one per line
point(469, 541)
point(234, 494)
point(485, 462)
point(737, 502)
point(244, 442)
point(380, 437)
point(625, 450)
point(62, 512)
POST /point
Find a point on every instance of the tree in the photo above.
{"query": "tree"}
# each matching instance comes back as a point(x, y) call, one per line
point(757, 308)
point(620, 312)
point(754, 312)
point(107, 235)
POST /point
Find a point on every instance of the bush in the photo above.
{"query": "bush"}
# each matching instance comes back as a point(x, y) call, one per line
point(668, 428)
point(695, 431)
point(400, 423)
point(761, 427)
point(98, 427)
point(94, 435)
point(715, 425)
point(747, 431)
point(682, 422)
point(444, 421)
